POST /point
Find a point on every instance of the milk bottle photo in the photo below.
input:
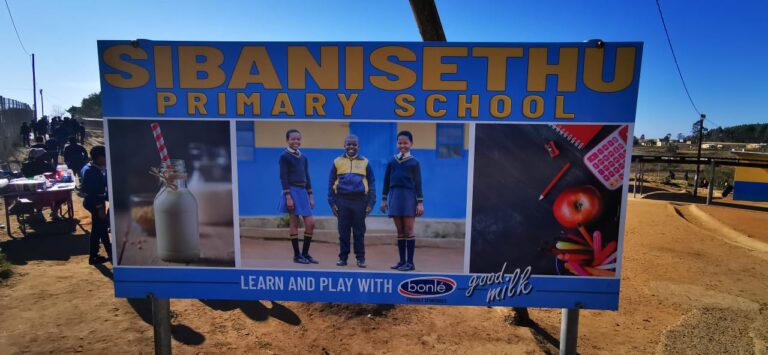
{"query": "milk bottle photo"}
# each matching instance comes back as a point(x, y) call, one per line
point(176, 219)
point(210, 182)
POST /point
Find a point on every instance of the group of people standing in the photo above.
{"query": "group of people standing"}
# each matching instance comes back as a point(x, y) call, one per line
point(43, 157)
point(66, 141)
point(352, 196)
point(57, 128)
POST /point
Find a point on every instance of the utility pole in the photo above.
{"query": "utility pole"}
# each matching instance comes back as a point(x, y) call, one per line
point(698, 156)
point(34, 87)
point(431, 30)
point(428, 20)
point(42, 104)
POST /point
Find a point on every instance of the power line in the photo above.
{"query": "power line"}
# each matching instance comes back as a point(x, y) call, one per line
point(14, 27)
point(679, 72)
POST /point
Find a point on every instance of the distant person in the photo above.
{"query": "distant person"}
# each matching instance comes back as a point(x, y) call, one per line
point(704, 183)
point(24, 131)
point(61, 133)
point(33, 127)
point(75, 156)
point(55, 124)
point(685, 176)
point(39, 143)
point(94, 186)
point(41, 127)
point(52, 146)
point(671, 175)
point(81, 131)
point(727, 189)
point(37, 163)
point(351, 195)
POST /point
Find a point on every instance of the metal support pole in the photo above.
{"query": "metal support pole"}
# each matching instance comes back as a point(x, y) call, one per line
point(711, 187)
point(569, 331)
point(642, 177)
point(34, 87)
point(161, 322)
point(698, 157)
point(42, 104)
point(634, 186)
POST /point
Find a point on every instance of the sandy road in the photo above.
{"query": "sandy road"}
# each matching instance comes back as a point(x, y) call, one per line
point(684, 290)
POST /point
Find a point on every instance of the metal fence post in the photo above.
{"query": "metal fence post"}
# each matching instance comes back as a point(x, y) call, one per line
point(711, 186)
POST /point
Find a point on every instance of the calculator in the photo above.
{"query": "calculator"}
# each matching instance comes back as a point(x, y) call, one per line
point(607, 159)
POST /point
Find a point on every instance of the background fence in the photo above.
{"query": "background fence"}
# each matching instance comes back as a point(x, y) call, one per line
point(12, 114)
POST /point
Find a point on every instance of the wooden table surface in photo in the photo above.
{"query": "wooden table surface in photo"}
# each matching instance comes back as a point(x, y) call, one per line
point(136, 248)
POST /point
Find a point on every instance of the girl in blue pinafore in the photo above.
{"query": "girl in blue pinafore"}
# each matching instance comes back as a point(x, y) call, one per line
point(402, 196)
point(297, 197)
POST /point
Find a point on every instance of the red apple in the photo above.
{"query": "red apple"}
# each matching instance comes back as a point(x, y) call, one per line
point(577, 206)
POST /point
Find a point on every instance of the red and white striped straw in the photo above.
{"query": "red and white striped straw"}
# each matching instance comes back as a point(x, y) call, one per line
point(160, 143)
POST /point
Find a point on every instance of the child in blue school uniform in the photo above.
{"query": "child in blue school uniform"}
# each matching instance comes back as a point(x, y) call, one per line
point(297, 199)
point(403, 198)
point(351, 195)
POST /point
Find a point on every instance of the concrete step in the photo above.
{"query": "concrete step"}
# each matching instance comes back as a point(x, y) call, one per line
point(431, 228)
point(372, 237)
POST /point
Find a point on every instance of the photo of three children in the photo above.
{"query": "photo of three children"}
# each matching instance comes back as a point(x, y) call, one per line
point(351, 197)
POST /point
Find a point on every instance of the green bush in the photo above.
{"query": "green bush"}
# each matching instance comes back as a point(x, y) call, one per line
point(284, 222)
point(5, 267)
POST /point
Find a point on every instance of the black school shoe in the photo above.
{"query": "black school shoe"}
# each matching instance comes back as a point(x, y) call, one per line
point(398, 265)
point(407, 267)
point(300, 260)
point(310, 259)
point(341, 262)
point(361, 263)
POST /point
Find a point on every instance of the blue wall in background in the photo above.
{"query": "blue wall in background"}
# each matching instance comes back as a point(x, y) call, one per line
point(750, 191)
point(444, 180)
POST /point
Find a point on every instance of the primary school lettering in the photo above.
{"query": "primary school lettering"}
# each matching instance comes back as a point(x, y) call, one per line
point(496, 82)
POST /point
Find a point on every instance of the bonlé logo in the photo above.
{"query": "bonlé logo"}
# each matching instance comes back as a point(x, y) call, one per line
point(432, 286)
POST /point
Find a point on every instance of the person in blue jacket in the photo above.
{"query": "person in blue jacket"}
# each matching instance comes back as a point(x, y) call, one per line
point(403, 197)
point(297, 197)
point(351, 195)
point(94, 186)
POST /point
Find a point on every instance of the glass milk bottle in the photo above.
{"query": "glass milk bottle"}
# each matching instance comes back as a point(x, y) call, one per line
point(176, 222)
point(210, 182)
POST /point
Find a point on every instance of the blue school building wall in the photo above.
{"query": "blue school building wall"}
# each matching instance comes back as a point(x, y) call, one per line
point(440, 149)
point(751, 183)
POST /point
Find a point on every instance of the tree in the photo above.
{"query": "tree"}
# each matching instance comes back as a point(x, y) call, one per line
point(642, 137)
point(57, 111)
point(695, 131)
point(89, 107)
point(680, 137)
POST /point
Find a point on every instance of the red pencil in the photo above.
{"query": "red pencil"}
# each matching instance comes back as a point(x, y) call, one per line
point(554, 181)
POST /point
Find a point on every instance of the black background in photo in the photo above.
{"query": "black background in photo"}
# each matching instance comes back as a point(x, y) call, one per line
point(509, 223)
point(133, 151)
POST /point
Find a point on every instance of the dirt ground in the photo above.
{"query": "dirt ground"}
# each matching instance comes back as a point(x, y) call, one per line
point(686, 289)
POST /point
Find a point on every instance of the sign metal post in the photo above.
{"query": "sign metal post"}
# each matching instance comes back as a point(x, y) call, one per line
point(161, 322)
point(569, 331)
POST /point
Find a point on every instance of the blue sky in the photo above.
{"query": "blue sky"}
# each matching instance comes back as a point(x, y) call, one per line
point(720, 45)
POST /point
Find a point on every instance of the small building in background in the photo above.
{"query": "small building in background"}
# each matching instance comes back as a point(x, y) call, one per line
point(751, 183)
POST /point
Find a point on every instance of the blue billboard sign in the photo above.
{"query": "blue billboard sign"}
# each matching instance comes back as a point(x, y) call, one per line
point(370, 172)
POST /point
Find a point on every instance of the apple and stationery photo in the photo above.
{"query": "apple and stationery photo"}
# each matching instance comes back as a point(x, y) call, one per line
point(557, 189)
